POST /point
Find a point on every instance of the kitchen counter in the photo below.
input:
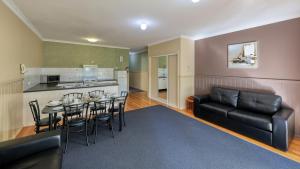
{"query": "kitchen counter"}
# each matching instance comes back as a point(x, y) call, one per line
point(71, 85)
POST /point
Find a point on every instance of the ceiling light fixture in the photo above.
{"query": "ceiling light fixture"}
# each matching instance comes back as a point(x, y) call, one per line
point(195, 1)
point(143, 26)
point(92, 40)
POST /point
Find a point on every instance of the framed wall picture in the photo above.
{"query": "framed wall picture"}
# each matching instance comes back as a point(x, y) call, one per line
point(243, 55)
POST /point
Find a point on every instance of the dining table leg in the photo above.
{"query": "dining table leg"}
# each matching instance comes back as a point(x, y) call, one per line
point(120, 117)
point(113, 110)
point(50, 121)
point(54, 121)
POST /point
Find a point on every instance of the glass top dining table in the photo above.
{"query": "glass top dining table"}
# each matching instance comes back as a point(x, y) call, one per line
point(58, 108)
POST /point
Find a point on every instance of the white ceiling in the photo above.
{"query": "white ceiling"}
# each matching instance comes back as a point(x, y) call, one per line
point(116, 22)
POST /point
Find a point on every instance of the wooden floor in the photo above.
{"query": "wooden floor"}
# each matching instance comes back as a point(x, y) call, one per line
point(139, 100)
point(162, 94)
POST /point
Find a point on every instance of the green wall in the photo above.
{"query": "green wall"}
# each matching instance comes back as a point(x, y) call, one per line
point(62, 55)
point(138, 62)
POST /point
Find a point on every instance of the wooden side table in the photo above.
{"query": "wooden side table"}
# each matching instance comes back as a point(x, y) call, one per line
point(190, 104)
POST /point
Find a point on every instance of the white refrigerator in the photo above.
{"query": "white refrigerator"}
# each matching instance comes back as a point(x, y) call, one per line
point(123, 80)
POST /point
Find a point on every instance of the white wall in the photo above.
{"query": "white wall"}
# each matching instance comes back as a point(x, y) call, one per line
point(185, 50)
point(18, 45)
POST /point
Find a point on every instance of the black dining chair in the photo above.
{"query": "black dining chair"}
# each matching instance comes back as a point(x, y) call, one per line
point(102, 116)
point(36, 113)
point(124, 94)
point(96, 94)
point(122, 99)
point(74, 123)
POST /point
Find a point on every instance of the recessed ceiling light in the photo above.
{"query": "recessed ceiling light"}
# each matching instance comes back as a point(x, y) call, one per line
point(195, 1)
point(92, 40)
point(143, 26)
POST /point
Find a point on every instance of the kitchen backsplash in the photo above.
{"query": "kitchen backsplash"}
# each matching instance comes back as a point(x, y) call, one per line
point(32, 75)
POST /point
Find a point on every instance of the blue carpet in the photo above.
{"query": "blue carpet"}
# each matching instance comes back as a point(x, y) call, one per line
point(160, 138)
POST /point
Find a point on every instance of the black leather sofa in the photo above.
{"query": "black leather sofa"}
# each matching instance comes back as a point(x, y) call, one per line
point(41, 151)
point(258, 115)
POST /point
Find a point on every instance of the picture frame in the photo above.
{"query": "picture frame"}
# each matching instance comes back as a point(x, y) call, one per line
point(243, 55)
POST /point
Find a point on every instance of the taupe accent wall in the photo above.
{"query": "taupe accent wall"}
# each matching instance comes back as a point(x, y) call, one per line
point(278, 63)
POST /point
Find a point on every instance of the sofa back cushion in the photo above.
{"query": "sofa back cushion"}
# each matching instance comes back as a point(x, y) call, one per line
point(224, 96)
point(259, 102)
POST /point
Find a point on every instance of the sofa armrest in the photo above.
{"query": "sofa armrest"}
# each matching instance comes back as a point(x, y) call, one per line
point(197, 101)
point(283, 128)
point(13, 150)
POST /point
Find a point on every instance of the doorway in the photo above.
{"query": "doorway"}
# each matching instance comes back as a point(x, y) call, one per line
point(162, 75)
point(164, 79)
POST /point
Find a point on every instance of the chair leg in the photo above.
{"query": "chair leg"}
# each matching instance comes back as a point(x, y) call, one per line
point(86, 134)
point(123, 114)
point(91, 113)
point(55, 121)
point(93, 127)
point(37, 129)
point(113, 116)
point(108, 123)
point(96, 130)
point(67, 139)
point(64, 122)
point(56, 125)
point(111, 127)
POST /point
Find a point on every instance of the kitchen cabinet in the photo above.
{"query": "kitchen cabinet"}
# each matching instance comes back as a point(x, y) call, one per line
point(162, 83)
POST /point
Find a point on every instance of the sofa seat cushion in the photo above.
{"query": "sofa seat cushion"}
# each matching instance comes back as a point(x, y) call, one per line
point(260, 121)
point(216, 108)
point(50, 159)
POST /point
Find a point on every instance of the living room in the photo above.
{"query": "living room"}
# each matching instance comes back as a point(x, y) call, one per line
point(150, 84)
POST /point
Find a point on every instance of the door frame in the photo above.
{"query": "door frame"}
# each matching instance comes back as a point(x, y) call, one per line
point(150, 79)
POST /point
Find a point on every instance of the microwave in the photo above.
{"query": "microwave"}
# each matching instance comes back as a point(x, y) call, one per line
point(50, 79)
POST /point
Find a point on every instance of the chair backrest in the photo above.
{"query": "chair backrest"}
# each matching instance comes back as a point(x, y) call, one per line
point(125, 95)
point(76, 110)
point(35, 110)
point(105, 104)
point(96, 93)
point(120, 101)
point(74, 95)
